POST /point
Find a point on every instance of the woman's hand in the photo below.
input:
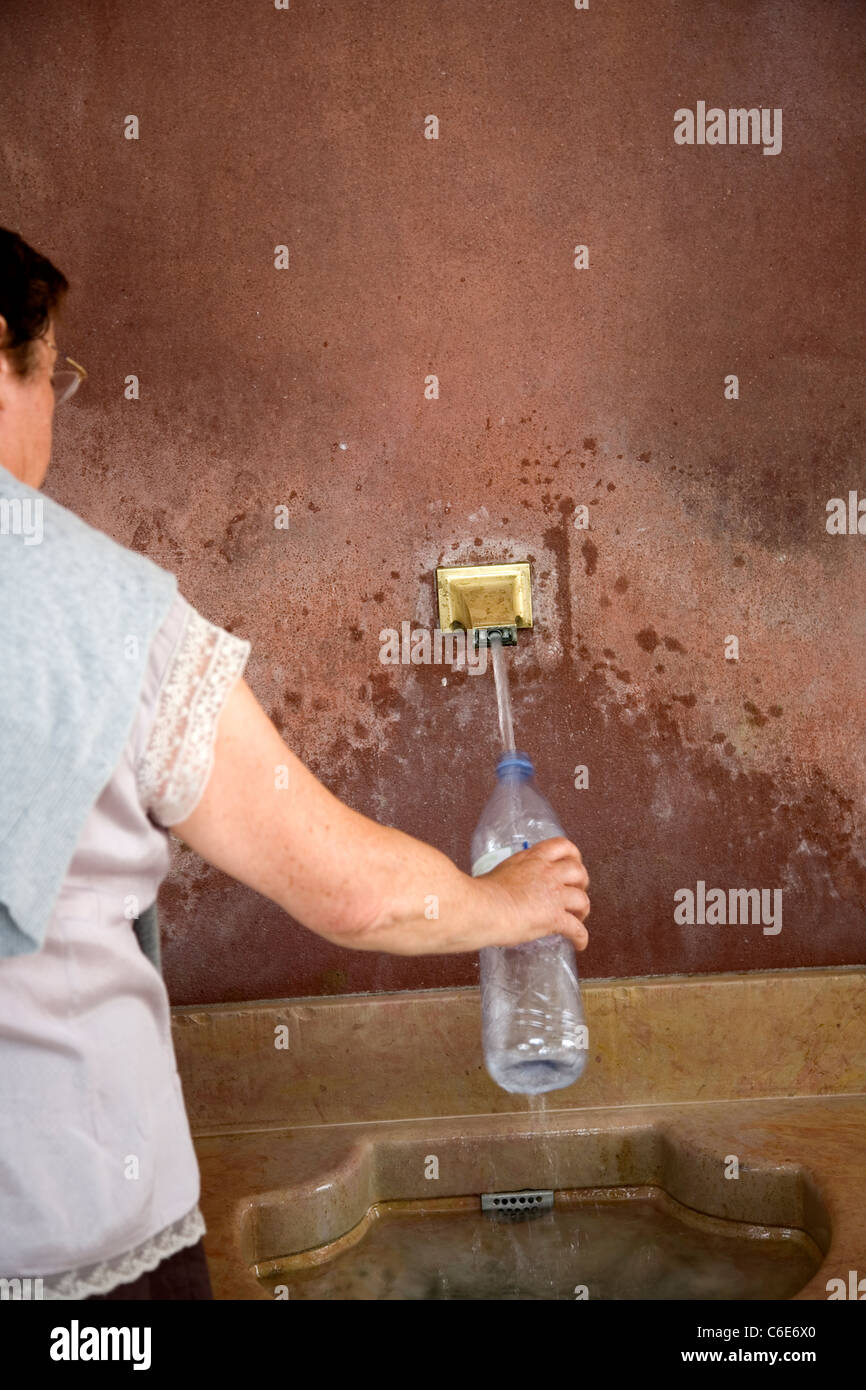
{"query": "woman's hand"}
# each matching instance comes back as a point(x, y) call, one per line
point(546, 889)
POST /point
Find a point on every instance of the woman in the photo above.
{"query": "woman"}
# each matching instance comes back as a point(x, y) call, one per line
point(125, 713)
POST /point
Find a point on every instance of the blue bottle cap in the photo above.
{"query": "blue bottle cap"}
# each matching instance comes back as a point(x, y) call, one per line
point(515, 761)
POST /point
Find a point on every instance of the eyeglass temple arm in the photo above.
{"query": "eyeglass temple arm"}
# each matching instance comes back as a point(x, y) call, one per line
point(78, 367)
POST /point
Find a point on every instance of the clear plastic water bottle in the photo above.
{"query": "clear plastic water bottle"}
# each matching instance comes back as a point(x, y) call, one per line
point(533, 1027)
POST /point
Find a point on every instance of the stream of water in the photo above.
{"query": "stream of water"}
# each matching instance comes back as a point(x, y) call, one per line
point(503, 695)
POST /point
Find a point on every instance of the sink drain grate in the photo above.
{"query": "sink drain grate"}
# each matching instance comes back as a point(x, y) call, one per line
point(516, 1205)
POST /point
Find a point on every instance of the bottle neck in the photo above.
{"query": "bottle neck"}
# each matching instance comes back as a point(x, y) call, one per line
point(515, 766)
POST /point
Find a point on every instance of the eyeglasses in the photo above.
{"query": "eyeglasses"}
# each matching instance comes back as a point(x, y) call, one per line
point(63, 381)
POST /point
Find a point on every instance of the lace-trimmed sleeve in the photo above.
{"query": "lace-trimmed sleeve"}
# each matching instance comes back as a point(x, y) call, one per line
point(174, 767)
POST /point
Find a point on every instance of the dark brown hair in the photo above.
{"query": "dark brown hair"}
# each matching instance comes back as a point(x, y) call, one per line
point(31, 289)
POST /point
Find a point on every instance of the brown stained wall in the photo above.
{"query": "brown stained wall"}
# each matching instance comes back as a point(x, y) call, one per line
point(559, 387)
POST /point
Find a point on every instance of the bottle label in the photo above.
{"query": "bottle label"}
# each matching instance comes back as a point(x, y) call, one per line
point(489, 861)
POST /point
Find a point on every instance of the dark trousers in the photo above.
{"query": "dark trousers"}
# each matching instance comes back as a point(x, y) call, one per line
point(184, 1275)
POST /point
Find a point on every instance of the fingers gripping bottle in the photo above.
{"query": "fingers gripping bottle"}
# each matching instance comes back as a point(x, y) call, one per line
point(532, 1021)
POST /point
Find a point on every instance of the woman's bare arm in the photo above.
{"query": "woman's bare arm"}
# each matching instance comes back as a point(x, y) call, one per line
point(355, 882)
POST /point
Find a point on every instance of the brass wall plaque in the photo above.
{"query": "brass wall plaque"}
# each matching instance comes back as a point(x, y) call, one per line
point(483, 596)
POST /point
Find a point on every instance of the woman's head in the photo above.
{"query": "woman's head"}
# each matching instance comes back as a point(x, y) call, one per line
point(31, 291)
